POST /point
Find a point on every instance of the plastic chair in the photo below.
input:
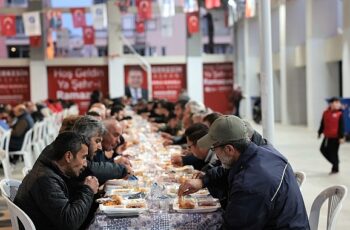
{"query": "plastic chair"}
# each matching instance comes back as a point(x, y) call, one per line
point(9, 187)
point(301, 177)
point(25, 171)
point(335, 195)
point(26, 149)
point(17, 215)
point(4, 145)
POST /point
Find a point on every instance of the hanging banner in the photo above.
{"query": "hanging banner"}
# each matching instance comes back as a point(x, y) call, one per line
point(144, 9)
point(89, 35)
point(77, 83)
point(14, 85)
point(35, 41)
point(210, 4)
point(167, 82)
point(166, 8)
point(166, 27)
point(54, 17)
point(32, 25)
point(190, 6)
point(250, 8)
point(78, 15)
point(192, 22)
point(218, 86)
point(8, 25)
point(99, 16)
point(62, 38)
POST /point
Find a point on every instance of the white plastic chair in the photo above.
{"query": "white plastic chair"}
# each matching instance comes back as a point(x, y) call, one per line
point(301, 177)
point(18, 214)
point(9, 187)
point(4, 146)
point(26, 149)
point(335, 195)
point(25, 171)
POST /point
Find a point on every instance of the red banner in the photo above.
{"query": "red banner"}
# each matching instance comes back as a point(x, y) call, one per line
point(144, 9)
point(8, 25)
point(77, 83)
point(167, 82)
point(78, 15)
point(89, 35)
point(218, 86)
point(14, 85)
point(209, 4)
point(192, 22)
point(35, 41)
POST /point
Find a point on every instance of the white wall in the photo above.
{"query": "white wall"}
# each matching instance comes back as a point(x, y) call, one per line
point(295, 22)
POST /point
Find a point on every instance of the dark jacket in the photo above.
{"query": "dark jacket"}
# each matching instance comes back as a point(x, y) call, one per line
point(47, 196)
point(19, 130)
point(144, 93)
point(103, 171)
point(262, 191)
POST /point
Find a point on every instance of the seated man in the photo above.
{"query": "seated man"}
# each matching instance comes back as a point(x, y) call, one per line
point(260, 184)
point(46, 194)
point(205, 159)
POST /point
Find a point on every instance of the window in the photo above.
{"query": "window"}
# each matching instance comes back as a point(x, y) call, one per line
point(16, 51)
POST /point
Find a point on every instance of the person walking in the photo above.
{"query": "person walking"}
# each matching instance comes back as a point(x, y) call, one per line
point(332, 127)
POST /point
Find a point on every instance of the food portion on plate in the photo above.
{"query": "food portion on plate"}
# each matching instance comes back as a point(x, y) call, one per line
point(192, 205)
point(185, 203)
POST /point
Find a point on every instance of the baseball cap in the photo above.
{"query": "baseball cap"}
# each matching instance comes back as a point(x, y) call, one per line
point(224, 129)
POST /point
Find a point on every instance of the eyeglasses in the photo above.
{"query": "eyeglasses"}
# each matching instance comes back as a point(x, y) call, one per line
point(212, 148)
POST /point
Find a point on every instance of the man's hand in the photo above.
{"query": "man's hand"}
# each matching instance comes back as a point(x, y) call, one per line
point(166, 135)
point(123, 161)
point(176, 160)
point(92, 182)
point(190, 186)
point(198, 175)
point(168, 142)
point(342, 140)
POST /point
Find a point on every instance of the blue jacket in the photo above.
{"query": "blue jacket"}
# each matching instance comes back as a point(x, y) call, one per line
point(261, 190)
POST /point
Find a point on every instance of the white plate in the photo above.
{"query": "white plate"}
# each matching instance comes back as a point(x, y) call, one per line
point(121, 211)
point(197, 209)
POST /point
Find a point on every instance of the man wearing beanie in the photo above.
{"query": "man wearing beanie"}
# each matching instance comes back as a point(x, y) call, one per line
point(262, 192)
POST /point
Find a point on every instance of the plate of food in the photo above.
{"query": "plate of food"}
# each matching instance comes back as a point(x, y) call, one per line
point(118, 206)
point(191, 205)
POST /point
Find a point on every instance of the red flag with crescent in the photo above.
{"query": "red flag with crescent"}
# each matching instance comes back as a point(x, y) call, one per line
point(140, 26)
point(8, 25)
point(144, 9)
point(192, 22)
point(78, 15)
point(89, 35)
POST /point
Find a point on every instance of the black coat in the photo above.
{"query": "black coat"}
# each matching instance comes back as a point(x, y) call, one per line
point(261, 190)
point(51, 199)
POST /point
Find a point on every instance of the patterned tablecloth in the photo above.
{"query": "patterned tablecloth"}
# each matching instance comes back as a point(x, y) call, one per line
point(161, 221)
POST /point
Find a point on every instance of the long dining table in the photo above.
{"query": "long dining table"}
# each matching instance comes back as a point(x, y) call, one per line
point(151, 162)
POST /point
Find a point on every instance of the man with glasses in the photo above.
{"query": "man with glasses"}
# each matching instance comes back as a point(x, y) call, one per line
point(261, 189)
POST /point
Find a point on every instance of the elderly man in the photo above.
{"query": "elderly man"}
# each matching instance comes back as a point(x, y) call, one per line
point(260, 183)
point(111, 140)
point(46, 194)
point(134, 88)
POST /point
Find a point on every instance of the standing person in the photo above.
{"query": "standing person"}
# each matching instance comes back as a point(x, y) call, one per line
point(332, 127)
point(235, 99)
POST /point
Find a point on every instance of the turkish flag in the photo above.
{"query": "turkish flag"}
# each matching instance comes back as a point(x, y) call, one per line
point(209, 4)
point(192, 22)
point(78, 15)
point(140, 26)
point(8, 25)
point(144, 9)
point(35, 41)
point(89, 35)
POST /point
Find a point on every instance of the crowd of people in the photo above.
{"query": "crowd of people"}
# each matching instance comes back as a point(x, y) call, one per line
point(253, 181)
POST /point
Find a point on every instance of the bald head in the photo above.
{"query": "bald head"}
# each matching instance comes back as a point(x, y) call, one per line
point(19, 110)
